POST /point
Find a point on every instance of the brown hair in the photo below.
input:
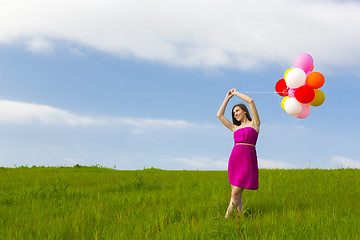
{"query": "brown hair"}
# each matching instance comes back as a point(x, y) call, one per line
point(245, 109)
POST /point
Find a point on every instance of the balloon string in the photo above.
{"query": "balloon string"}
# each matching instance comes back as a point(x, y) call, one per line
point(267, 92)
point(262, 92)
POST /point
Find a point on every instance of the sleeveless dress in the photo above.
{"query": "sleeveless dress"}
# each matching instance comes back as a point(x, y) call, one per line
point(243, 166)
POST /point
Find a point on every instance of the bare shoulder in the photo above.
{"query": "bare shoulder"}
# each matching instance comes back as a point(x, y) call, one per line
point(251, 125)
point(256, 127)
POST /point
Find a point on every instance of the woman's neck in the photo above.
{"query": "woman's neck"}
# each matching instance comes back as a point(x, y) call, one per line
point(245, 121)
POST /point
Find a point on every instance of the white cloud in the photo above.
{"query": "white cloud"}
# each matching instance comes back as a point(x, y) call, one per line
point(71, 160)
point(76, 51)
point(142, 125)
point(271, 164)
point(292, 129)
point(345, 162)
point(232, 33)
point(39, 45)
point(202, 163)
point(21, 113)
point(207, 163)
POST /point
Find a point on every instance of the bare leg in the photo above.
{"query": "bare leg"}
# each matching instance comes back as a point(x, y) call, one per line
point(235, 201)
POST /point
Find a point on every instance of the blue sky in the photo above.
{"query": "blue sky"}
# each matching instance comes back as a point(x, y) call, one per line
point(134, 84)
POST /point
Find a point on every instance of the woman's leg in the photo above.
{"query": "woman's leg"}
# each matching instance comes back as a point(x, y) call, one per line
point(235, 201)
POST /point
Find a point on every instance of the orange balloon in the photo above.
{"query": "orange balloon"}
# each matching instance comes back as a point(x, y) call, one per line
point(315, 80)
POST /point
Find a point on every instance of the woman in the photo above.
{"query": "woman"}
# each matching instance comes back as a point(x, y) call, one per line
point(242, 167)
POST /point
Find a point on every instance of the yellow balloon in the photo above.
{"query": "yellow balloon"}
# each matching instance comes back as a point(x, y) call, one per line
point(283, 102)
point(287, 72)
point(319, 98)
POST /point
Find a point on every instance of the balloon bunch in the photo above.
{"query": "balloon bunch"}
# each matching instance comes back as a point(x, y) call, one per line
point(300, 87)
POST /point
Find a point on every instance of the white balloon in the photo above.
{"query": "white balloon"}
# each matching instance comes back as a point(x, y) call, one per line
point(292, 106)
point(295, 78)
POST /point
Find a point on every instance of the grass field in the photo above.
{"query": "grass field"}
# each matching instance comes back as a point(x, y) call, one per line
point(100, 203)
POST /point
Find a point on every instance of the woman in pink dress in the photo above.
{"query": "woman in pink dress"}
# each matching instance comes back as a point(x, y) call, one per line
point(242, 167)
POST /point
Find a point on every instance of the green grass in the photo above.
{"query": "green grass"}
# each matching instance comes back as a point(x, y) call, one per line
point(101, 203)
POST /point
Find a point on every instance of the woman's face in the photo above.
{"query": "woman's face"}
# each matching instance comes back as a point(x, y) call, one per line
point(239, 114)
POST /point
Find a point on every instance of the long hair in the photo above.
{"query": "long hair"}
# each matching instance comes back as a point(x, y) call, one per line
point(245, 109)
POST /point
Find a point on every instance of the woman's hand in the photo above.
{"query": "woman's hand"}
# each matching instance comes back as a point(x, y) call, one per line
point(230, 94)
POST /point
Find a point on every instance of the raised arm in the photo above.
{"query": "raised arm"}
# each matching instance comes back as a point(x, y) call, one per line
point(221, 111)
point(253, 109)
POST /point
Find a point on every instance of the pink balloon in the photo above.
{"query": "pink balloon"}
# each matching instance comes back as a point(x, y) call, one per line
point(305, 111)
point(291, 92)
point(304, 61)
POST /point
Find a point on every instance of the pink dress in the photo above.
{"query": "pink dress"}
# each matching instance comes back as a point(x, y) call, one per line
point(243, 166)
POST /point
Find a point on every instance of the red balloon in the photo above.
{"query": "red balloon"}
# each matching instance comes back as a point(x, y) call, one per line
point(281, 88)
point(305, 94)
